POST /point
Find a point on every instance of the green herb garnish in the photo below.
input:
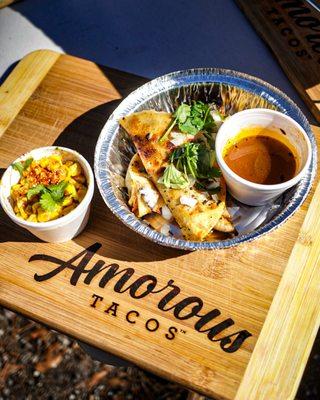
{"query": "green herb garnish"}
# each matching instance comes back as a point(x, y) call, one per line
point(191, 119)
point(185, 158)
point(21, 166)
point(50, 196)
point(47, 202)
point(35, 190)
point(18, 166)
point(190, 160)
point(173, 178)
point(27, 163)
point(195, 159)
point(57, 191)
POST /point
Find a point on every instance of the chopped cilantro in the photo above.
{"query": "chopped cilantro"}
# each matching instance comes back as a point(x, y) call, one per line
point(183, 112)
point(27, 163)
point(18, 167)
point(195, 159)
point(57, 191)
point(47, 202)
point(21, 166)
point(191, 119)
point(50, 196)
point(35, 190)
point(185, 158)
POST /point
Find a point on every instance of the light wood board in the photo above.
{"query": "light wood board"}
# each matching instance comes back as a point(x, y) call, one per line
point(291, 29)
point(68, 106)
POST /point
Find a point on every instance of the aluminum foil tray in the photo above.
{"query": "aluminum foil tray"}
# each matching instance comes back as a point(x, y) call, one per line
point(231, 91)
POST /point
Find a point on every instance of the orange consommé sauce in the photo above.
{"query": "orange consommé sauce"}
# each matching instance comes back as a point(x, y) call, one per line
point(261, 155)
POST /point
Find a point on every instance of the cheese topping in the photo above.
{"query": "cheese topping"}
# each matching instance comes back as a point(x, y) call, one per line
point(150, 196)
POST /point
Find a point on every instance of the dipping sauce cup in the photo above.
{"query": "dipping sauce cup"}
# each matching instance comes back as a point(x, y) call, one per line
point(256, 194)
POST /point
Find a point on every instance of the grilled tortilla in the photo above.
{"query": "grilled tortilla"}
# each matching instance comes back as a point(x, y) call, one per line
point(145, 129)
point(138, 182)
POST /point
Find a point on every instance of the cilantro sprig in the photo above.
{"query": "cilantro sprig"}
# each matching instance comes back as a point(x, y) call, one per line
point(47, 202)
point(57, 191)
point(194, 160)
point(185, 158)
point(191, 119)
point(50, 196)
point(21, 166)
point(35, 190)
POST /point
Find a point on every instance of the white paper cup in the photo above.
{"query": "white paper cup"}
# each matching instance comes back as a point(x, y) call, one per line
point(61, 229)
point(255, 194)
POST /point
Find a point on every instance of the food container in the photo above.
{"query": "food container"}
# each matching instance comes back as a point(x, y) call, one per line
point(61, 229)
point(255, 194)
point(232, 92)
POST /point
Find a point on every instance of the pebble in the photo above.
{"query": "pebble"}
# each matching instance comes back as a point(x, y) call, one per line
point(65, 341)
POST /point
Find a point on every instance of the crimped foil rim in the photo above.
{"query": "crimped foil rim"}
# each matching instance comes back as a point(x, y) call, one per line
point(185, 78)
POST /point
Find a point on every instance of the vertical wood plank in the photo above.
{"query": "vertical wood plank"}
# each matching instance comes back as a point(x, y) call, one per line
point(22, 82)
point(283, 347)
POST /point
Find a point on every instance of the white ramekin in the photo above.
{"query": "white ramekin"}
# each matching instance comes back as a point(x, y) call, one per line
point(255, 194)
point(61, 229)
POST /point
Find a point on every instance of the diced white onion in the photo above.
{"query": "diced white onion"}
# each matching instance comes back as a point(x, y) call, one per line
point(216, 116)
point(214, 184)
point(203, 196)
point(150, 196)
point(166, 213)
point(165, 229)
point(178, 138)
point(215, 198)
point(188, 201)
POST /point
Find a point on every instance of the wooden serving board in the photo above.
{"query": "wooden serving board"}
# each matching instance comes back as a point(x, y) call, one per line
point(292, 30)
point(202, 319)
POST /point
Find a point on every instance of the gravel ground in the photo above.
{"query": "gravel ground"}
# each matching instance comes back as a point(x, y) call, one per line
point(37, 363)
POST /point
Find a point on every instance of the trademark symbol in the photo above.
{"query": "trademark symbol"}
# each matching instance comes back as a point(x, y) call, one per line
point(182, 331)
